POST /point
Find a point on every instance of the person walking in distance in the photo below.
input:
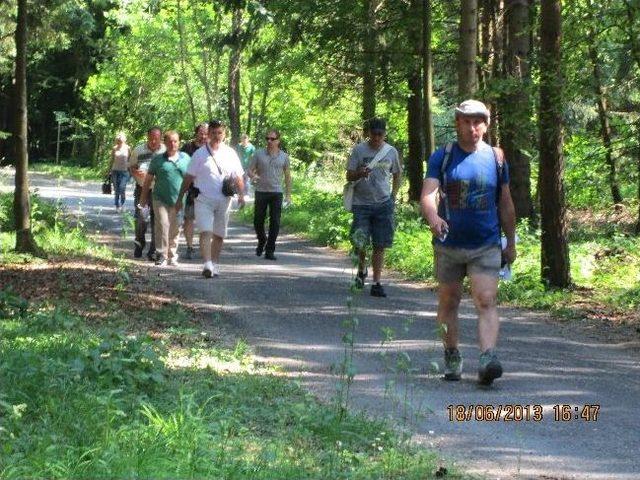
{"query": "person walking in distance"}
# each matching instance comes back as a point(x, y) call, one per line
point(139, 161)
point(201, 136)
point(475, 203)
point(373, 164)
point(245, 151)
point(119, 170)
point(167, 171)
point(210, 165)
point(267, 168)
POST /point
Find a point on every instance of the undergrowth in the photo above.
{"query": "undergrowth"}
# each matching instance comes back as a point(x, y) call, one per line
point(605, 259)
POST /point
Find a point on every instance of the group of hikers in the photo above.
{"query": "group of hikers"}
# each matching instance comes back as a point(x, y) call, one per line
point(465, 200)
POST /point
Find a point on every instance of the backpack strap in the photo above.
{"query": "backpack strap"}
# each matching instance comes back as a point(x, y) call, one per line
point(498, 154)
point(443, 175)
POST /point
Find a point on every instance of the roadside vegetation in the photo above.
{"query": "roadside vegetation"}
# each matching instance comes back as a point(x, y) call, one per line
point(107, 374)
point(605, 255)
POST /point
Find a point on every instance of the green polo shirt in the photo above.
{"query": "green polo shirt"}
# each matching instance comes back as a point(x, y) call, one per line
point(168, 176)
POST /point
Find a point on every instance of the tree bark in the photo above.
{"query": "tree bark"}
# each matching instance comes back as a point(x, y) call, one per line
point(516, 122)
point(369, 48)
point(233, 91)
point(427, 79)
point(468, 49)
point(252, 93)
point(601, 102)
point(554, 248)
point(21, 202)
point(415, 157)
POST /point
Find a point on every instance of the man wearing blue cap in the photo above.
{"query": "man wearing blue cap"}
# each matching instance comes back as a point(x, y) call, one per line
point(475, 204)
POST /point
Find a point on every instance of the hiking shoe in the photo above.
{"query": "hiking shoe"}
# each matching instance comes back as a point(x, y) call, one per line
point(173, 261)
point(259, 249)
point(452, 364)
point(161, 261)
point(215, 269)
point(359, 281)
point(152, 255)
point(207, 271)
point(489, 369)
point(189, 254)
point(270, 256)
point(377, 290)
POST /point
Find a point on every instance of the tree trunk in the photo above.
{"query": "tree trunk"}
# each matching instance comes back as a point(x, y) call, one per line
point(601, 101)
point(233, 92)
point(515, 108)
point(554, 249)
point(21, 203)
point(183, 63)
point(468, 49)
point(497, 64)
point(427, 79)
point(415, 157)
point(486, 17)
point(633, 13)
point(260, 124)
point(370, 51)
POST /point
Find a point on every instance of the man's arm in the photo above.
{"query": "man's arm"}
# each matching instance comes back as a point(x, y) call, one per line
point(395, 184)
point(146, 187)
point(429, 205)
point(187, 180)
point(507, 214)
point(287, 183)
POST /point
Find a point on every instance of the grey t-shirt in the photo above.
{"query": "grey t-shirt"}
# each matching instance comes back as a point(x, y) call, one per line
point(270, 169)
point(377, 187)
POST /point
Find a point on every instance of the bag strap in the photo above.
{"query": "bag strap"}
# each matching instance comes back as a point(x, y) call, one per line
point(443, 173)
point(376, 159)
point(214, 158)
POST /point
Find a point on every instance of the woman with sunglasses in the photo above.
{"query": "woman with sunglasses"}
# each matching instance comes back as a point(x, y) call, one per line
point(267, 168)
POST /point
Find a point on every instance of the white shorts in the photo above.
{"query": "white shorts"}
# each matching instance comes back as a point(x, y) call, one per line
point(212, 215)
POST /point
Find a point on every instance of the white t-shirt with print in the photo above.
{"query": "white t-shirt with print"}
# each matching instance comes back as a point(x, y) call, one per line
point(207, 177)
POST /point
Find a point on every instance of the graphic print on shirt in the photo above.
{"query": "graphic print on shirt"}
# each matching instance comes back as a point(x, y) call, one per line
point(473, 194)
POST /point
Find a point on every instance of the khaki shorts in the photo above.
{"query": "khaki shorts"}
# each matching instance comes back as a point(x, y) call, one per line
point(453, 264)
point(212, 215)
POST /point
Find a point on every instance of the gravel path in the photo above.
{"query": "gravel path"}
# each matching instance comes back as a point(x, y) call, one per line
point(292, 313)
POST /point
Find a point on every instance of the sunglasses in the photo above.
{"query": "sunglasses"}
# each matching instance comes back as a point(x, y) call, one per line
point(272, 139)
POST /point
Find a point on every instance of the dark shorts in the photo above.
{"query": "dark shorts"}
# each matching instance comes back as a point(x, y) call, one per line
point(373, 223)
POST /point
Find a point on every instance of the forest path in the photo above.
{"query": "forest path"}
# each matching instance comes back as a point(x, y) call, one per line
point(292, 312)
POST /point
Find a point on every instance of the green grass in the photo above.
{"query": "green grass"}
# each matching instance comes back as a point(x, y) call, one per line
point(123, 391)
point(605, 261)
point(82, 402)
point(52, 233)
point(67, 169)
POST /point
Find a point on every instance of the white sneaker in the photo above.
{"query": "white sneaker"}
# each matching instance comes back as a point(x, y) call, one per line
point(173, 261)
point(215, 269)
point(207, 270)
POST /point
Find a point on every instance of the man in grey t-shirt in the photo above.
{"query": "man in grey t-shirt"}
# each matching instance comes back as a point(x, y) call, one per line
point(373, 200)
point(267, 168)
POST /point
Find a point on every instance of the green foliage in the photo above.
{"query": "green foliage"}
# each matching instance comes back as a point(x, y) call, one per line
point(605, 261)
point(51, 230)
point(70, 170)
point(75, 403)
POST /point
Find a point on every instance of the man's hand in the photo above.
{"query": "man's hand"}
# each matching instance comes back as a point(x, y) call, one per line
point(509, 254)
point(241, 202)
point(363, 171)
point(179, 204)
point(438, 226)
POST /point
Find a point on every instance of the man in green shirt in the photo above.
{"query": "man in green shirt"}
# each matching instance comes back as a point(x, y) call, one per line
point(245, 151)
point(167, 169)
